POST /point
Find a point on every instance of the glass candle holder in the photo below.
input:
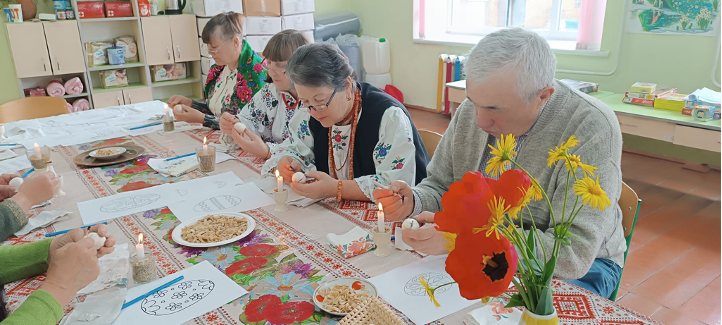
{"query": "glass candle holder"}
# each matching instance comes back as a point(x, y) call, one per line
point(206, 158)
point(143, 269)
point(168, 125)
point(39, 158)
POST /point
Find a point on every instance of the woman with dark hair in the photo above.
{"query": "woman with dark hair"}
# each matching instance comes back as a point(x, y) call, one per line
point(267, 115)
point(350, 134)
point(232, 81)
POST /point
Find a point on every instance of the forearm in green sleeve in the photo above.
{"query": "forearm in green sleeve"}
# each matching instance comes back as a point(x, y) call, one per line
point(23, 261)
point(39, 309)
point(12, 219)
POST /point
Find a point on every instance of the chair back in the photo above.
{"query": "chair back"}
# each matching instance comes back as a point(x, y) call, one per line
point(31, 108)
point(629, 202)
point(431, 141)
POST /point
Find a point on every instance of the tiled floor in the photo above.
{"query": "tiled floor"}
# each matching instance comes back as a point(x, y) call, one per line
point(673, 267)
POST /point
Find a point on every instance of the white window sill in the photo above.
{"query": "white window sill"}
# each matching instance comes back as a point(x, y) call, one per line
point(559, 47)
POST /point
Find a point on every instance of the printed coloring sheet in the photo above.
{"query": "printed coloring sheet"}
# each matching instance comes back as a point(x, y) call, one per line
point(14, 165)
point(229, 199)
point(202, 289)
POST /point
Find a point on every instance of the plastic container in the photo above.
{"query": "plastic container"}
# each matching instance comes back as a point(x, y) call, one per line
point(379, 80)
point(376, 56)
point(342, 22)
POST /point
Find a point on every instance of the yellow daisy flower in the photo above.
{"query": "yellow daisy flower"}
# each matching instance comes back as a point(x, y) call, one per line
point(536, 192)
point(502, 154)
point(576, 161)
point(560, 152)
point(525, 199)
point(498, 209)
point(571, 142)
point(450, 241)
point(592, 193)
point(429, 292)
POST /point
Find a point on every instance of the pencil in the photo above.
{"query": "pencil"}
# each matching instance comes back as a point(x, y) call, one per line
point(127, 304)
point(379, 185)
point(28, 172)
point(64, 231)
point(181, 156)
point(145, 126)
point(8, 144)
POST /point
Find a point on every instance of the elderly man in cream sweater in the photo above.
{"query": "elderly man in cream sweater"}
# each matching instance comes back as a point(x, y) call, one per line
point(511, 90)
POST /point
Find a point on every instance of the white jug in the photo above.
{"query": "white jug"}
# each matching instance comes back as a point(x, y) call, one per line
point(377, 56)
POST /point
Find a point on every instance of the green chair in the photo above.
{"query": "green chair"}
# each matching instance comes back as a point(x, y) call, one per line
point(630, 203)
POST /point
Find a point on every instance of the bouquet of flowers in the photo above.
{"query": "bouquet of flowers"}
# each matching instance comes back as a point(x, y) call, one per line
point(489, 248)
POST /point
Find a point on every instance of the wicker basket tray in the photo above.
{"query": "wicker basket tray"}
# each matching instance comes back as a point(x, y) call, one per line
point(375, 312)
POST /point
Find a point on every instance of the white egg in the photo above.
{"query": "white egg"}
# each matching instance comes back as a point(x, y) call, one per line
point(299, 177)
point(178, 109)
point(16, 182)
point(240, 127)
point(98, 241)
point(410, 223)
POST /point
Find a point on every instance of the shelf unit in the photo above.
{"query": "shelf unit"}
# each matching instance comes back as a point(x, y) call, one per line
point(45, 66)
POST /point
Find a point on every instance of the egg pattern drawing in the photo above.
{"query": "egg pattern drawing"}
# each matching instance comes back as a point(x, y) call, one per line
point(177, 297)
point(217, 203)
point(129, 202)
point(414, 288)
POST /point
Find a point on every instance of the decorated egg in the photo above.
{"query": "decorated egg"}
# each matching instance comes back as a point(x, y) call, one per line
point(299, 177)
point(176, 297)
point(16, 182)
point(410, 223)
point(240, 127)
point(178, 109)
point(98, 241)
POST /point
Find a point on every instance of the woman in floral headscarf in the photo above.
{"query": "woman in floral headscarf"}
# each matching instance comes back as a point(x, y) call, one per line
point(237, 75)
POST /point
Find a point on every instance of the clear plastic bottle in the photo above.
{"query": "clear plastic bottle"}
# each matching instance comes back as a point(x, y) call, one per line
point(377, 56)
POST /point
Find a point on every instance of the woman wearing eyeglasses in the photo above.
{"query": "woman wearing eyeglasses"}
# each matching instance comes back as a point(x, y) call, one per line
point(232, 81)
point(267, 115)
point(349, 135)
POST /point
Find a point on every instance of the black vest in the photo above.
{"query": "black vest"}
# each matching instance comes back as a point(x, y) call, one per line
point(374, 103)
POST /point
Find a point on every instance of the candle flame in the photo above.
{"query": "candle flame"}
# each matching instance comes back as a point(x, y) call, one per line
point(140, 238)
point(204, 140)
point(381, 207)
point(278, 174)
point(36, 146)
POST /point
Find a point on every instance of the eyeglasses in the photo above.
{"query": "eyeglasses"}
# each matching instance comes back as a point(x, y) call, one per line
point(218, 49)
point(322, 108)
point(267, 67)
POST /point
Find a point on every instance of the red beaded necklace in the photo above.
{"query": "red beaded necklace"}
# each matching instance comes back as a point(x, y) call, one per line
point(295, 103)
point(349, 155)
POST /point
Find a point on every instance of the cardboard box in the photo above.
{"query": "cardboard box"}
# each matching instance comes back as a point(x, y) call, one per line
point(166, 72)
point(113, 78)
point(693, 103)
point(144, 8)
point(687, 111)
point(263, 8)
point(295, 7)
point(656, 94)
point(210, 8)
point(118, 9)
point(201, 23)
point(583, 86)
point(206, 64)
point(638, 101)
point(703, 114)
point(262, 25)
point(204, 48)
point(643, 87)
point(258, 42)
point(672, 102)
point(90, 9)
point(297, 22)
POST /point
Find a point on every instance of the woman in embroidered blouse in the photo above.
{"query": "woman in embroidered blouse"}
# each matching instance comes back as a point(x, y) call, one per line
point(232, 81)
point(350, 134)
point(267, 115)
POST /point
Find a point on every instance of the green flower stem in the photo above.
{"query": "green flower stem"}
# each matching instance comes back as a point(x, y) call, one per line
point(566, 192)
point(534, 229)
point(523, 295)
point(541, 189)
point(443, 285)
point(517, 239)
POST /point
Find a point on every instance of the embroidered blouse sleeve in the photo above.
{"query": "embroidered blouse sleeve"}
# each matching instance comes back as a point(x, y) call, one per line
point(257, 115)
point(299, 145)
point(394, 154)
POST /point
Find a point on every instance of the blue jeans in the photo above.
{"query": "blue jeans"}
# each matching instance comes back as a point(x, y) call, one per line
point(601, 279)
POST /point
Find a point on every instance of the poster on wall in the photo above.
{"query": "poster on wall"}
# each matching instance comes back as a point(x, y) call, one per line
point(674, 17)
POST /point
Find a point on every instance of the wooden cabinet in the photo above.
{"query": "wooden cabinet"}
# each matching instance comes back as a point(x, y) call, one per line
point(29, 50)
point(697, 138)
point(185, 43)
point(108, 99)
point(137, 95)
point(170, 39)
point(66, 52)
point(157, 39)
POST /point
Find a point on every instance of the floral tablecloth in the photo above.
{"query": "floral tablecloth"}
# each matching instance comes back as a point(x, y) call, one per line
point(280, 263)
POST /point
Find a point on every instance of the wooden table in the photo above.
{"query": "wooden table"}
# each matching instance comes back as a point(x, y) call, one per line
point(648, 122)
point(298, 255)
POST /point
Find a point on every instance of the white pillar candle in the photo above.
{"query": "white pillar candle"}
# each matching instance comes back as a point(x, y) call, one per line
point(37, 151)
point(139, 251)
point(205, 146)
point(382, 223)
point(279, 178)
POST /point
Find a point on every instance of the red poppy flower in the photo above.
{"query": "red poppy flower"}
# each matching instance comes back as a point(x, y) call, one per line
point(482, 266)
point(134, 170)
point(258, 250)
point(290, 312)
point(246, 266)
point(165, 210)
point(259, 309)
point(135, 186)
point(337, 138)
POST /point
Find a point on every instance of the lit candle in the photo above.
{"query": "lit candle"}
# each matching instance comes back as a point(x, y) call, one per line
point(380, 214)
point(37, 151)
point(279, 178)
point(139, 252)
point(167, 113)
point(205, 146)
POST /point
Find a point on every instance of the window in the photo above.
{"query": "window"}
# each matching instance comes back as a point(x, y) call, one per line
point(564, 23)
